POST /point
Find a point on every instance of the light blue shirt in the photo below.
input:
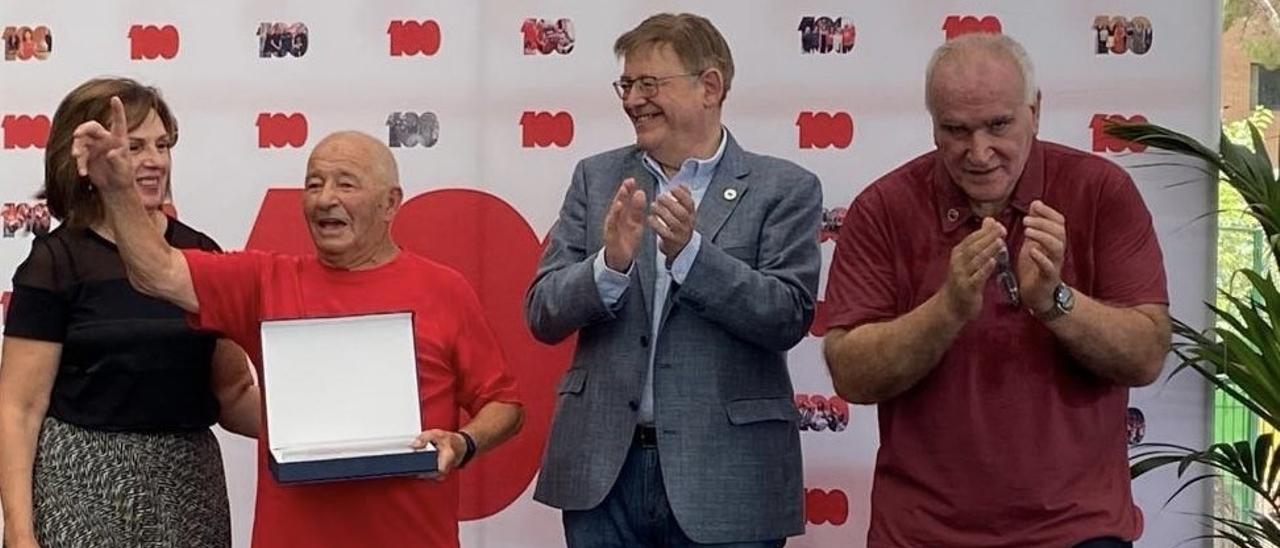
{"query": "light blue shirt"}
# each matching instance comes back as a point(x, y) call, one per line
point(695, 174)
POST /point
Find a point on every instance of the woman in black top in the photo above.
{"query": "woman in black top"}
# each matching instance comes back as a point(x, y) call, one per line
point(107, 395)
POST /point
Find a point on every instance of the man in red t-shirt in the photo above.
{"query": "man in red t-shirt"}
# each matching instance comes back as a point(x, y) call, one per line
point(997, 297)
point(351, 194)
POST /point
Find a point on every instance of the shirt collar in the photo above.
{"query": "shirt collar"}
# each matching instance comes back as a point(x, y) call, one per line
point(695, 171)
point(953, 205)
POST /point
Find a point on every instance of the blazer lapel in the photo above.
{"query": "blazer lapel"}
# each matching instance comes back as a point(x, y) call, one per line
point(644, 264)
point(726, 190)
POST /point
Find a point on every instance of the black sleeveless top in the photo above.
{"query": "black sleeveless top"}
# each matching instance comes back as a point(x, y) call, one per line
point(129, 362)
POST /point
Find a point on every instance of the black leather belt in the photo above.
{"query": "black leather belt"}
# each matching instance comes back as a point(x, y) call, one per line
point(646, 436)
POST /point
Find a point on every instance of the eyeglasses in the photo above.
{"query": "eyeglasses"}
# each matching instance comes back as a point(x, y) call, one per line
point(1005, 276)
point(646, 86)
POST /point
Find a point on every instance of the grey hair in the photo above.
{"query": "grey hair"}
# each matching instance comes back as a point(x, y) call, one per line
point(989, 42)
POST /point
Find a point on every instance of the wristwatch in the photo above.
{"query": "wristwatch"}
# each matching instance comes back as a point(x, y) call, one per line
point(470, 450)
point(1064, 299)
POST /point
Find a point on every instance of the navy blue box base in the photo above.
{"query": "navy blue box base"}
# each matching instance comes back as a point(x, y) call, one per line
point(352, 468)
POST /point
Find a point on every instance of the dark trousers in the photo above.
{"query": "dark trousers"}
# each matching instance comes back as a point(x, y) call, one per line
point(636, 513)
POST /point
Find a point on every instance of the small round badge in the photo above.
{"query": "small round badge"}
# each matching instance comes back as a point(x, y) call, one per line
point(730, 194)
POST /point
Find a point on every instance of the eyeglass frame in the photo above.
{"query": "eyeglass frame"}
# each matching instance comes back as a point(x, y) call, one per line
point(1006, 278)
point(623, 87)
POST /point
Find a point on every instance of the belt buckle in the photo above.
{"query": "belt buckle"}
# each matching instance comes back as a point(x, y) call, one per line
point(646, 436)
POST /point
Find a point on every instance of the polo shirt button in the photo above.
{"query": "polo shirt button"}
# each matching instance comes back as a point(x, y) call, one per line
point(953, 214)
point(634, 405)
point(644, 341)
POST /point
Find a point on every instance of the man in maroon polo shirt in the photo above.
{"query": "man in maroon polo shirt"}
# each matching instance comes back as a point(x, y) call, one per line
point(997, 297)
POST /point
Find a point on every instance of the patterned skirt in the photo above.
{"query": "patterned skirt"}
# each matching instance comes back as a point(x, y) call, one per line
point(126, 490)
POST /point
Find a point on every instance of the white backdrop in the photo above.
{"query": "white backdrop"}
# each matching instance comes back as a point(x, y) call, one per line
point(479, 83)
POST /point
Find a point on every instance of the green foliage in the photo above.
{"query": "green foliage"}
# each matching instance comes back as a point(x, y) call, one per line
point(1238, 131)
point(1241, 243)
point(1235, 10)
point(1240, 354)
point(1262, 44)
point(1264, 50)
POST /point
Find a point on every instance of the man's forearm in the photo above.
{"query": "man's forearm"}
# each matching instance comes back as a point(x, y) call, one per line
point(875, 362)
point(1126, 346)
point(155, 268)
point(494, 424)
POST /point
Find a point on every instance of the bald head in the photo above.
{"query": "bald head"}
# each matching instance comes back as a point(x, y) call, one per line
point(358, 145)
point(980, 57)
point(350, 198)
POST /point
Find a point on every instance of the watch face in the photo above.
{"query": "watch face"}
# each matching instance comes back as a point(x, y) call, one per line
point(1064, 297)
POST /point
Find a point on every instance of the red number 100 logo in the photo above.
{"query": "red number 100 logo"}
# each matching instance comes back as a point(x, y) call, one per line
point(277, 130)
point(150, 42)
point(822, 506)
point(1105, 142)
point(822, 129)
point(23, 131)
point(414, 37)
point(958, 25)
point(543, 129)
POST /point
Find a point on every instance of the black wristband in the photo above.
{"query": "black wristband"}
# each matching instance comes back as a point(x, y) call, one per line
point(471, 448)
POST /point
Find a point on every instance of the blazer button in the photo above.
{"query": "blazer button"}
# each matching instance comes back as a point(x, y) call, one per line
point(644, 341)
point(634, 405)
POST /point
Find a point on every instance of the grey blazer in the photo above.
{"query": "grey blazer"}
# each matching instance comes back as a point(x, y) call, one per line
point(723, 402)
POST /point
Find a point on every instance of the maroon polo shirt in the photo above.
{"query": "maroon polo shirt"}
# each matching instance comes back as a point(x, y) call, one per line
point(1008, 441)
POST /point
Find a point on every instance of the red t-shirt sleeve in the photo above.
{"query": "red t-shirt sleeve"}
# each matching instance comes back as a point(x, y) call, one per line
point(228, 288)
point(481, 368)
point(1129, 263)
point(860, 287)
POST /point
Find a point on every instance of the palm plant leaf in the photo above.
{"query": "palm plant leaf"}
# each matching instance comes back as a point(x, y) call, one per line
point(1248, 171)
point(1165, 139)
point(1244, 348)
point(1240, 354)
point(1252, 465)
point(1241, 533)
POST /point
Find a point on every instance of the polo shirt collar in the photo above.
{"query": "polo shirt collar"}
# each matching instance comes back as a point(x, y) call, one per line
point(953, 205)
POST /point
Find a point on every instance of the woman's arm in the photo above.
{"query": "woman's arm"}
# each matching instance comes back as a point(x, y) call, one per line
point(26, 380)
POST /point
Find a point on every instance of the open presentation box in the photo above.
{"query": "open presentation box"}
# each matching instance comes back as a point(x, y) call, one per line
point(342, 398)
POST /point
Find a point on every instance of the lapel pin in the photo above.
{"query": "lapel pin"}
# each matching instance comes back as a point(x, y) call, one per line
point(730, 194)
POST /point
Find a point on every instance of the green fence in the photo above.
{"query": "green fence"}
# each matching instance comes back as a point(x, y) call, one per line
point(1238, 247)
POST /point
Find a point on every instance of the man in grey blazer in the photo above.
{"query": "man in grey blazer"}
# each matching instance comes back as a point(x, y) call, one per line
point(687, 267)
